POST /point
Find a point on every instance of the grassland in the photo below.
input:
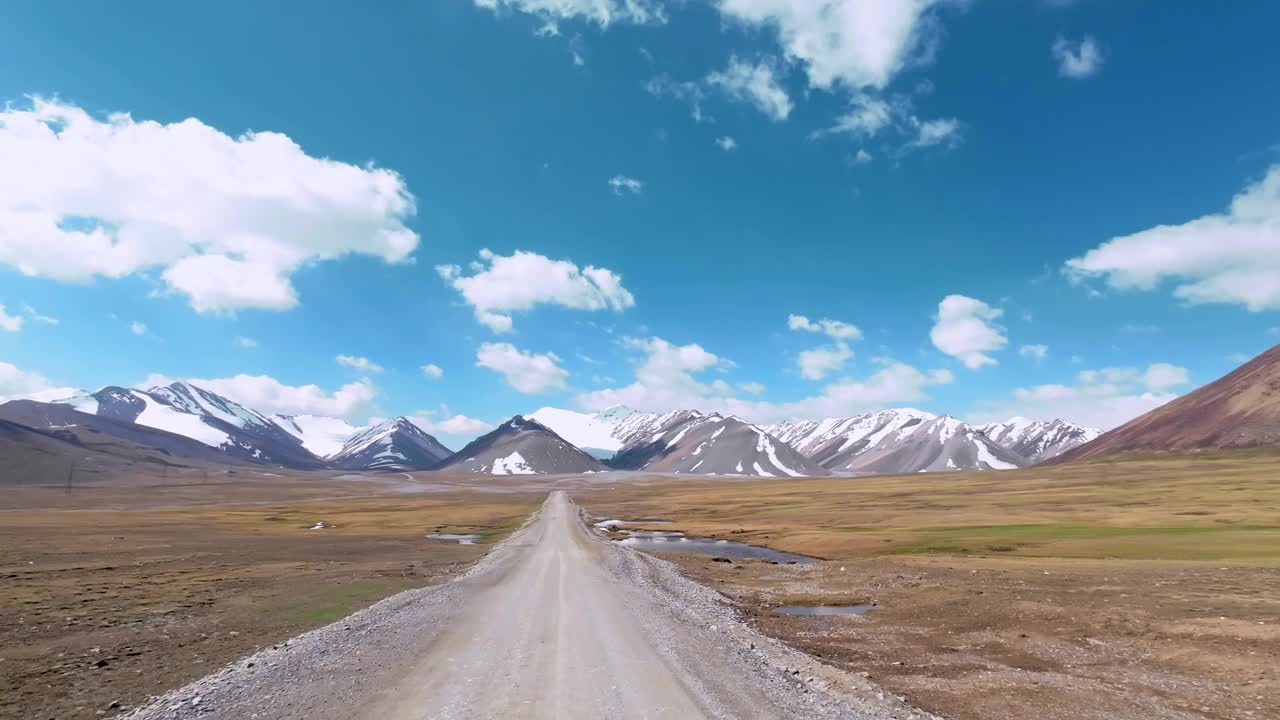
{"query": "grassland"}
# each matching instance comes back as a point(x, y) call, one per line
point(1145, 587)
point(103, 606)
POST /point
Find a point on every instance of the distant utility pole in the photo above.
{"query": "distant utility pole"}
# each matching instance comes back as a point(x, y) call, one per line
point(71, 473)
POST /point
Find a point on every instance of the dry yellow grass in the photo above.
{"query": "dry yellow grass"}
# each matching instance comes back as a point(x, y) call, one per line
point(1221, 506)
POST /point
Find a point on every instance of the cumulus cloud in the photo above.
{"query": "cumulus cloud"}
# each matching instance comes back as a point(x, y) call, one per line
point(16, 383)
point(355, 362)
point(526, 372)
point(600, 12)
point(1039, 352)
point(225, 220)
point(862, 158)
point(1077, 59)
point(433, 371)
point(726, 143)
point(268, 395)
point(502, 285)
point(245, 342)
point(816, 363)
point(1162, 376)
point(138, 328)
point(446, 422)
point(754, 83)
point(622, 185)
point(1229, 257)
point(854, 43)
point(965, 329)
point(667, 380)
point(752, 388)
point(1102, 398)
point(835, 329)
point(664, 380)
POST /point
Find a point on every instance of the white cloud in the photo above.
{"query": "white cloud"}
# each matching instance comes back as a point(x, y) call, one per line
point(1229, 257)
point(1162, 376)
point(817, 362)
point(935, 132)
point(225, 220)
point(601, 12)
point(1101, 398)
point(433, 371)
point(502, 285)
point(870, 115)
point(1039, 352)
point(666, 381)
point(1077, 59)
point(726, 143)
point(752, 388)
point(862, 158)
point(524, 371)
point(441, 421)
point(138, 328)
point(356, 362)
point(245, 342)
point(834, 329)
point(687, 92)
point(755, 83)
point(866, 116)
point(966, 330)
point(16, 383)
point(268, 395)
point(11, 323)
point(622, 184)
point(855, 43)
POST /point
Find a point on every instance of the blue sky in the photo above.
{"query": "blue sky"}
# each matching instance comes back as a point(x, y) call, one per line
point(1064, 171)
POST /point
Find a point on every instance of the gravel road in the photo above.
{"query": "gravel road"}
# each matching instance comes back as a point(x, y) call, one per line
point(553, 623)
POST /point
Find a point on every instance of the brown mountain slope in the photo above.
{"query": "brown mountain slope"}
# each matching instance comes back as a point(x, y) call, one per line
point(1240, 410)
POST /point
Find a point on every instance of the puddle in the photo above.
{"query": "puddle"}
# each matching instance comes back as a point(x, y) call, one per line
point(461, 539)
point(613, 524)
point(826, 609)
point(660, 541)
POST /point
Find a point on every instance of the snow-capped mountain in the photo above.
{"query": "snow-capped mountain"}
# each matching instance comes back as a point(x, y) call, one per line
point(593, 433)
point(1038, 440)
point(190, 411)
point(854, 433)
point(396, 444)
point(604, 433)
point(896, 441)
point(101, 432)
point(521, 446)
point(713, 444)
point(322, 436)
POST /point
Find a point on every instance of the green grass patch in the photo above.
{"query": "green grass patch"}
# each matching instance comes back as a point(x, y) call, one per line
point(324, 606)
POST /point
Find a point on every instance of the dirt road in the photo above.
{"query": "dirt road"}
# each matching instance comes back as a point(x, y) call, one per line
point(554, 623)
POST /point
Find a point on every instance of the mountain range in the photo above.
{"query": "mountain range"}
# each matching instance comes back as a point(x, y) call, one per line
point(187, 421)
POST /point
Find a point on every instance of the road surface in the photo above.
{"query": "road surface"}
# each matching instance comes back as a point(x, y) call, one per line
point(554, 623)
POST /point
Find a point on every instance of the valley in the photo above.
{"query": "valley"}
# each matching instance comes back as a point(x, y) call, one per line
point(169, 571)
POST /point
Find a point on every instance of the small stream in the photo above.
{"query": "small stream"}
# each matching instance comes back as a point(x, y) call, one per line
point(677, 542)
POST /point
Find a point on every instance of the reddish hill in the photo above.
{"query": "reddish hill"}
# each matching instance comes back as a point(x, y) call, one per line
point(1240, 410)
